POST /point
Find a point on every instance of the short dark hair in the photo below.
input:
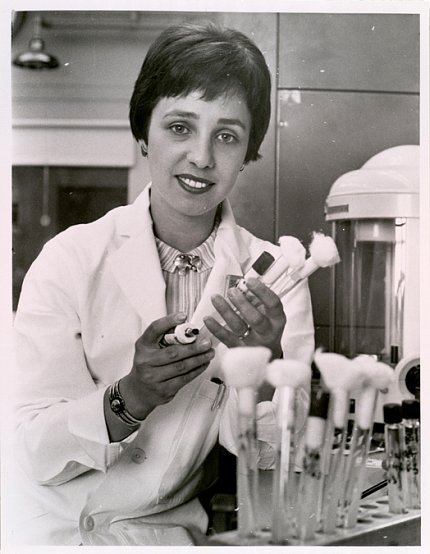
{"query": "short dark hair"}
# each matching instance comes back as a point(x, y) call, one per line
point(207, 58)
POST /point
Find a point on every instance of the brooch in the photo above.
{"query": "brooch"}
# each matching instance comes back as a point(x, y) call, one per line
point(186, 262)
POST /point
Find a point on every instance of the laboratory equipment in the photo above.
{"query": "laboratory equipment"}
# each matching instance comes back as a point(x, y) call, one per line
point(374, 213)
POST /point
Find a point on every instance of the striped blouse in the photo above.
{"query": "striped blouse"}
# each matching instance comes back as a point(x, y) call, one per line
point(184, 289)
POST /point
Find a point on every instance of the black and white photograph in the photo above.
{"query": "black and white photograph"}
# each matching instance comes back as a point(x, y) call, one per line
point(214, 247)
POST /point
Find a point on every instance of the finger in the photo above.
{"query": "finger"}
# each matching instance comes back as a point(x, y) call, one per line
point(223, 334)
point(251, 315)
point(267, 297)
point(237, 325)
point(183, 367)
point(177, 382)
point(159, 327)
point(176, 352)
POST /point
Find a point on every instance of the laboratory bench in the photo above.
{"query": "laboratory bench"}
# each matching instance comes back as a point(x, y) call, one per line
point(375, 525)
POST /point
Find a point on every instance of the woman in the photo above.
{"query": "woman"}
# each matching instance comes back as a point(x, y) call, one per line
point(113, 429)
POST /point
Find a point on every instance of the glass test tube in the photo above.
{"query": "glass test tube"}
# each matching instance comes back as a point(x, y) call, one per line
point(357, 457)
point(257, 270)
point(394, 449)
point(247, 470)
point(311, 475)
point(335, 477)
point(284, 466)
point(411, 458)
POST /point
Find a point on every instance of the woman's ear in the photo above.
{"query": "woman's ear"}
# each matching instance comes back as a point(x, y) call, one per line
point(143, 147)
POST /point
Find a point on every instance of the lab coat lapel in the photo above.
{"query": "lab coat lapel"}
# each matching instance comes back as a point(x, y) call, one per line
point(135, 264)
point(136, 267)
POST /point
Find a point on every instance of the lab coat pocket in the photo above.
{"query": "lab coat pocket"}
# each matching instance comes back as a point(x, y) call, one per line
point(196, 434)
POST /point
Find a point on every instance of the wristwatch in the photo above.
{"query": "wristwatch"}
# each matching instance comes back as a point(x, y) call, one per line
point(118, 407)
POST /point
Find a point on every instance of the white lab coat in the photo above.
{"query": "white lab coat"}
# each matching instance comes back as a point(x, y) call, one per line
point(86, 299)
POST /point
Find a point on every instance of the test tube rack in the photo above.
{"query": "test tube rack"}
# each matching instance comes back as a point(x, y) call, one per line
point(376, 526)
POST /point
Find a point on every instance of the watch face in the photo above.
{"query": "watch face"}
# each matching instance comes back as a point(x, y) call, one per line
point(117, 405)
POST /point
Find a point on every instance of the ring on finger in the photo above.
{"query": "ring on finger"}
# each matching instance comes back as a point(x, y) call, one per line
point(245, 334)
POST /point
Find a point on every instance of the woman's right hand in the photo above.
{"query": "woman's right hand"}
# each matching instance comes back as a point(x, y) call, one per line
point(159, 373)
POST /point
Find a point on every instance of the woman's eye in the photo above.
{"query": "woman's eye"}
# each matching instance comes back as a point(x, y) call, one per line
point(179, 129)
point(226, 138)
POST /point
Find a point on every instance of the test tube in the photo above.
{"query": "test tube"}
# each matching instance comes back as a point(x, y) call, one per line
point(377, 376)
point(310, 477)
point(258, 268)
point(323, 253)
point(411, 458)
point(340, 376)
point(394, 449)
point(287, 376)
point(244, 369)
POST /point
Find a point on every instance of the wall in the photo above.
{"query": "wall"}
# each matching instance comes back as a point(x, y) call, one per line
point(348, 89)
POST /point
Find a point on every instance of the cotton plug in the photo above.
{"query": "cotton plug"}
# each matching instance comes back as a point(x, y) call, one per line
point(340, 375)
point(244, 366)
point(323, 250)
point(293, 251)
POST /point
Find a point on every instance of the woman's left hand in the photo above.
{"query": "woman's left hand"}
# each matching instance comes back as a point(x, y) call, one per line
point(249, 325)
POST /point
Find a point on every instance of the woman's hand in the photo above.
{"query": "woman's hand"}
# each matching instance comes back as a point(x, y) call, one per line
point(159, 373)
point(250, 325)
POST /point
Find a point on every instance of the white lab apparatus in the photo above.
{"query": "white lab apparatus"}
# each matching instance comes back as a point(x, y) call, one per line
point(374, 213)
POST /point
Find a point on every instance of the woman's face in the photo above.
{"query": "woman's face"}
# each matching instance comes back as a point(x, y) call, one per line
point(195, 151)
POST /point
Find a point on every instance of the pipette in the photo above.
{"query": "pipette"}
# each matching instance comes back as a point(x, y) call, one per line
point(377, 376)
point(340, 376)
point(244, 369)
point(286, 376)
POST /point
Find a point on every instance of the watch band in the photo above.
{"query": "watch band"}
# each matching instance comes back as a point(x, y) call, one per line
point(118, 407)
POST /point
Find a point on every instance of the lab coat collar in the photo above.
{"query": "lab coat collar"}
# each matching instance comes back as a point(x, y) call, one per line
point(135, 264)
point(136, 267)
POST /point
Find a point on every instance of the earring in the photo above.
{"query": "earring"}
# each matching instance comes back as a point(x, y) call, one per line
point(242, 167)
point(143, 148)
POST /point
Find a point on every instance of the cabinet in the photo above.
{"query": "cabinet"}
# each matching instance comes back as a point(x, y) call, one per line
point(357, 52)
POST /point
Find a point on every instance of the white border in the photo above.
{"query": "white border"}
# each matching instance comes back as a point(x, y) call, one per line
point(303, 6)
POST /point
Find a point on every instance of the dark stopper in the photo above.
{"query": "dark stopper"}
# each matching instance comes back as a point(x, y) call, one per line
point(411, 409)
point(263, 262)
point(392, 413)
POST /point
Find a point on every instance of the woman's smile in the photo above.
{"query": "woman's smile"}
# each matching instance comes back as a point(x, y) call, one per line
point(195, 185)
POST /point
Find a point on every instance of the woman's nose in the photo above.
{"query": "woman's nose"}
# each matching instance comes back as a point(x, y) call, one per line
point(201, 153)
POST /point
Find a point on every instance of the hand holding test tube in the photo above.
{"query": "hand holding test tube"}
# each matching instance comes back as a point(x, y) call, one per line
point(244, 369)
point(340, 376)
point(281, 275)
point(377, 376)
point(286, 376)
